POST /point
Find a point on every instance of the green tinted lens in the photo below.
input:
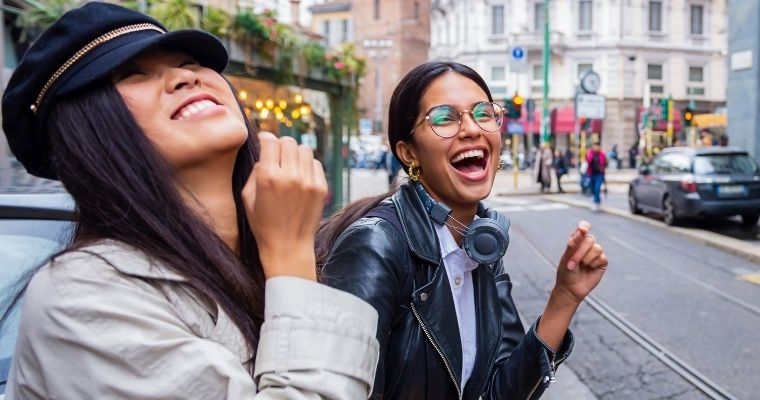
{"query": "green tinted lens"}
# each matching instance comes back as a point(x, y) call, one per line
point(444, 120)
point(488, 116)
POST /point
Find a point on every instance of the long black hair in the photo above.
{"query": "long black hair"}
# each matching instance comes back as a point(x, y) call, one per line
point(126, 191)
point(402, 115)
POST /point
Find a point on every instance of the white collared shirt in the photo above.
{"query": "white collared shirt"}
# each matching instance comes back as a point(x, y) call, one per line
point(459, 268)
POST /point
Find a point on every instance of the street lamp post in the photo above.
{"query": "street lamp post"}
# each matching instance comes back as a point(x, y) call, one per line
point(545, 138)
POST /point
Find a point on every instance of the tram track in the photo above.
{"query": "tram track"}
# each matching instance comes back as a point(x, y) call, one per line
point(668, 358)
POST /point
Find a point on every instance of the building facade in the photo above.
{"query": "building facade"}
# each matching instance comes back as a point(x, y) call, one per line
point(643, 50)
point(744, 76)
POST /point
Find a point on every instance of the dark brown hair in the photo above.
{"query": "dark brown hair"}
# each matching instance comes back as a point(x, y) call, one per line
point(125, 191)
point(402, 115)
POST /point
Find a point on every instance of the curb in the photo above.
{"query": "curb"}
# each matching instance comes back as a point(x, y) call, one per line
point(728, 244)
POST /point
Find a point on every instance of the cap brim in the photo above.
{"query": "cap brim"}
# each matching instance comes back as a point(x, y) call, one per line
point(203, 47)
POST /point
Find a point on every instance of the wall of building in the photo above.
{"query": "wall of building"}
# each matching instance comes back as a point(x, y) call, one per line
point(618, 45)
point(743, 91)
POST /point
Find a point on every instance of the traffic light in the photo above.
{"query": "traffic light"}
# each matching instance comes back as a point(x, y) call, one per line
point(514, 110)
point(688, 116)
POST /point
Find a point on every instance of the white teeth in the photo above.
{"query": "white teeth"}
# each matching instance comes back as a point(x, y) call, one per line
point(468, 154)
point(194, 108)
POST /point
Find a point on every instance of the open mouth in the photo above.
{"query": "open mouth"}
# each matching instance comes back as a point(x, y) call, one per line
point(194, 107)
point(470, 161)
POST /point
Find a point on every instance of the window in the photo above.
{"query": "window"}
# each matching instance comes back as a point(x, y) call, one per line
point(497, 20)
point(538, 16)
point(326, 31)
point(654, 72)
point(584, 15)
point(536, 78)
point(656, 89)
point(655, 15)
point(498, 74)
point(697, 15)
point(654, 76)
point(377, 9)
point(696, 86)
point(583, 67)
point(344, 35)
point(416, 10)
point(498, 91)
point(696, 74)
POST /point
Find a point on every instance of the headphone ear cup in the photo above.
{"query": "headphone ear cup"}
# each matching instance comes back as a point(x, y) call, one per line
point(487, 238)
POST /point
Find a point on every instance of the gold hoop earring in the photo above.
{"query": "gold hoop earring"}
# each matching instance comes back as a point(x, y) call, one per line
point(414, 172)
point(501, 165)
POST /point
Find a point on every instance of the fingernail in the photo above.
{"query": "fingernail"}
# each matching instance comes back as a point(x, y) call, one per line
point(571, 265)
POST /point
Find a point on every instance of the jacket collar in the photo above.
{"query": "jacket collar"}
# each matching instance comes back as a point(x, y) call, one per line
point(131, 261)
point(418, 229)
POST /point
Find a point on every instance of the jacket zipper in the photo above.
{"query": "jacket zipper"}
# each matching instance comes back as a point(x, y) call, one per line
point(435, 346)
point(552, 377)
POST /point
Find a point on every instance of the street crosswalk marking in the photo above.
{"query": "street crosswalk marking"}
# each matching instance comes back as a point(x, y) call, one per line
point(751, 278)
point(534, 207)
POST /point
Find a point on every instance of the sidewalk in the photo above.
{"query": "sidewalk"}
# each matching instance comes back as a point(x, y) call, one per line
point(504, 185)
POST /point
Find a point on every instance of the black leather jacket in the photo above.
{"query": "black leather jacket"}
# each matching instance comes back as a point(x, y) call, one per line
point(420, 347)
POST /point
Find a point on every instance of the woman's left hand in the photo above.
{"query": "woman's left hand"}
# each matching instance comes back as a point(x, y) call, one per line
point(582, 265)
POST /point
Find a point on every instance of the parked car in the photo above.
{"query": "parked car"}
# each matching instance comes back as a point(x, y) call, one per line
point(32, 227)
point(684, 182)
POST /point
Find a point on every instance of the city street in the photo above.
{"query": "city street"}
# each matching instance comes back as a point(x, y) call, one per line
point(666, 304)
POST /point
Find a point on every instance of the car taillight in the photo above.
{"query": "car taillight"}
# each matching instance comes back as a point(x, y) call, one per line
point(688, 185)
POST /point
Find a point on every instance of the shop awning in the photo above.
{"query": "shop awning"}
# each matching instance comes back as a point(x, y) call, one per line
point(563, 121)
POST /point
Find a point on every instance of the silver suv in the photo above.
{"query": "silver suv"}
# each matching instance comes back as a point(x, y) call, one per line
point(683, 182)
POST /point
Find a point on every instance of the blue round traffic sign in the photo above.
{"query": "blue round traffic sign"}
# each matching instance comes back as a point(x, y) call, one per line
point(518, 52)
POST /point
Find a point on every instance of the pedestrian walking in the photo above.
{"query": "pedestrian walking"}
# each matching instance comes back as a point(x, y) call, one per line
point(428, 256)
point(613, 156)
point(191, 272)
point(560, 168)
point(597, 163)
point(543, 167)
point(633, 153)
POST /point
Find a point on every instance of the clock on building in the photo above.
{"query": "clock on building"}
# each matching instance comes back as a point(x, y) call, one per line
point(590, 81)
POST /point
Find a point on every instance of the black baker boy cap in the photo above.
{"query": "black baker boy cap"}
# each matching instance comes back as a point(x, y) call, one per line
point(84, 47)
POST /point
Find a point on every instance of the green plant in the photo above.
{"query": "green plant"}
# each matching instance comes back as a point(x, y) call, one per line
point(216, 22)
point(314, 54)
point(249, 25)
point(40, 14)
point(176, 14)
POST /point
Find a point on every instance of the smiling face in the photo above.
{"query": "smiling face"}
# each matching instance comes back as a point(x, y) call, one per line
point(187, 111)
point(458, 171)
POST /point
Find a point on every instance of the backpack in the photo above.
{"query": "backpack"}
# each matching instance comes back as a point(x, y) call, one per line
point(595, 166)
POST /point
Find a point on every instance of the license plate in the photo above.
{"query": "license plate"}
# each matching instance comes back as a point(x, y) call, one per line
point(732, 190)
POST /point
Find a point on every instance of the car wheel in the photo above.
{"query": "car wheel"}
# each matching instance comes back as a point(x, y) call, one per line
point(669, 211)
point(750, 220)
point(633, 204)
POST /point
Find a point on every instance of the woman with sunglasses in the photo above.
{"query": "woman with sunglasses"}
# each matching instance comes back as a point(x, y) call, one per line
point(428, 257)
point(191, 273)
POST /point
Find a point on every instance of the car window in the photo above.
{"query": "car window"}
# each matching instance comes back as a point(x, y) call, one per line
point(662, 164)
point(24, 245)
point(725, 164)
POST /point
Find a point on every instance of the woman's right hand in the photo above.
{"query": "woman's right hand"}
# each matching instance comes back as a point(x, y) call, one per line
point(284, 199)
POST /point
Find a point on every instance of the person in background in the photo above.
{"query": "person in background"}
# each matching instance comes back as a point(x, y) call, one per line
point(543, 167)
point(597, 163)
point(191, 272)
point(613, 156)
point(560, 168)
point(633, 153)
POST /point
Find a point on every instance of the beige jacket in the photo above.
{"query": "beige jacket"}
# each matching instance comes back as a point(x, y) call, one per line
point(92, 328)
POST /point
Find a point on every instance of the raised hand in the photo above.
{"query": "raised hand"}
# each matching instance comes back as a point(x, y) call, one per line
point(582, 264)
point(284, 197)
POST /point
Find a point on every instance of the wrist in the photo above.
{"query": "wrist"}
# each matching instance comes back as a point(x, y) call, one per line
point(561, 298)
point(297, 261)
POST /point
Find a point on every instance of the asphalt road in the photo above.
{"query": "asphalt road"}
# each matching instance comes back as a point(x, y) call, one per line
point(683, 295)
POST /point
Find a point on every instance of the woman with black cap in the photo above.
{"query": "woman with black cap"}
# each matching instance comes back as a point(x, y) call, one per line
point(429, 256)
point(184, 218)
